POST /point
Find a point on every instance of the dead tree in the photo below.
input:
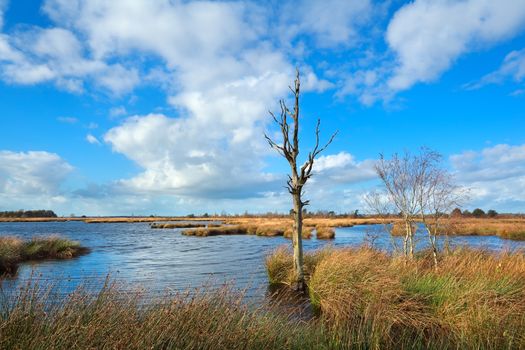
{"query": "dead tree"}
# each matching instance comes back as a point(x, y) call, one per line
point(289, 149)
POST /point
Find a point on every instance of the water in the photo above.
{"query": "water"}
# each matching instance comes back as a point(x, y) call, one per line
point(163, 260)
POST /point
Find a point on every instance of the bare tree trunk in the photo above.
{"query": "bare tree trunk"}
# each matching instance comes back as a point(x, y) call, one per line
point(297, 241)
point(411, 246)
point(405, 246)
point(289, 149)
point(434, 250)
point(409, 240)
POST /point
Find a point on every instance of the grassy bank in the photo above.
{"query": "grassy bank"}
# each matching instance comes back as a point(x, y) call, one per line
point(13, 251)
point(475, 299)
point(508, 229)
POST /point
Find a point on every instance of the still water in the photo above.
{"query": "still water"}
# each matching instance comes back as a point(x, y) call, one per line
point(163, 260)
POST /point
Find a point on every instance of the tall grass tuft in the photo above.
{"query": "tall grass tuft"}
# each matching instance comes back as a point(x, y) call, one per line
point(325, 232)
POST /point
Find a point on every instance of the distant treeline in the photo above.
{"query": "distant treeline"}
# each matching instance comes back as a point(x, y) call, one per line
point(476, 213)
point(306, 213)
point(28, 214)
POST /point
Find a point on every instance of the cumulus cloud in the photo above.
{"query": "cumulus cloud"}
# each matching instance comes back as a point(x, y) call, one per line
point(56, 55)
point(331, 23)
point(427, 36)
point(496, 176)
point(32, 173)
point(190, 157)
point(343, 168)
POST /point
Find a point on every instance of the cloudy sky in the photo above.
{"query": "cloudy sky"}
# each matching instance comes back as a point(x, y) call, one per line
point(159, 106)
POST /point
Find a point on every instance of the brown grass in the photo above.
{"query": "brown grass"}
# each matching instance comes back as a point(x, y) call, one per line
point(113, 319)
point(215, 231)
point(504, 228)
point(325, 232)
point(306, 234)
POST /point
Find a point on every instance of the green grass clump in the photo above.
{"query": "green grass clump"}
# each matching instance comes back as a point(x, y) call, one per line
point(13, 251)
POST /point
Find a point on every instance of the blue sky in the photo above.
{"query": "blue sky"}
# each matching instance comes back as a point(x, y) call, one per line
point(159, 107)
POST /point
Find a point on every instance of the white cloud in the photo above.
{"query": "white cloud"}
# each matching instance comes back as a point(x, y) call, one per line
point(177, 31)
point(92, 139)
point(342, 168)
point(42, 55)
point(428, 36)
point(32, 173)
point(310, 82)
point(513, 67)
point(191, 157)
point(331, 23)
point(116, 112)
point(496, 176)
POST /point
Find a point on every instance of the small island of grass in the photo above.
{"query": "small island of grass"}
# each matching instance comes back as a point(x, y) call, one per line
point(14, 251)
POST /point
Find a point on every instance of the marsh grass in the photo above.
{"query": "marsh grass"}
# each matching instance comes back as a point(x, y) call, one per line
point(279, 264)
point(13, 251)
point(306, 234)
point(325, 232)
point(215, 231)
point(474, 300)
point(113, 319)
point(508, 229)
point(258, 229)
